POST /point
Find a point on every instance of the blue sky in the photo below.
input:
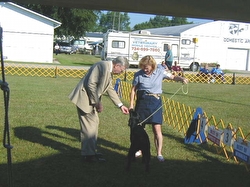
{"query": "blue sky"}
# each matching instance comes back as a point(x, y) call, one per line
point(136, 18)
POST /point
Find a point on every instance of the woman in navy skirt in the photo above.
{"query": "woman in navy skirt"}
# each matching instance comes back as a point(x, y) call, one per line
point(147, 87)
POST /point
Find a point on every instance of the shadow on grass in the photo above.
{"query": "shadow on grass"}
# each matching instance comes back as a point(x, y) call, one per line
point(199, 150)
point(66, 169)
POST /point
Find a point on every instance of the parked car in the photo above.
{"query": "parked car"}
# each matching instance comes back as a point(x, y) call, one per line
point(82, 46)
point(66, 47)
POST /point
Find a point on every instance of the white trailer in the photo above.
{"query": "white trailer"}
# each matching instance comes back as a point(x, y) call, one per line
point(223, 42)
point(219, 42)
point(134, 46)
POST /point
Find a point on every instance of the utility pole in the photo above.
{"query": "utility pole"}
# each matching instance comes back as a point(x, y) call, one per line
point(195, 40)
point(119, 22)
point(113, 27)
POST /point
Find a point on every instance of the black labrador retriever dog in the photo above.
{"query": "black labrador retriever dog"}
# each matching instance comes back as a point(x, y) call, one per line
point(139, 140)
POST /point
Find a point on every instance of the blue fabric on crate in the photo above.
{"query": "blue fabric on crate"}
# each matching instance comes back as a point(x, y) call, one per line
point(117, 87)
point(192, 136)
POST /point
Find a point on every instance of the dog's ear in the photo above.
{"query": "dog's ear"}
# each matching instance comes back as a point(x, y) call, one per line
point(131, 120)
point(131, 111)
point(130, 116)
point(136, 116)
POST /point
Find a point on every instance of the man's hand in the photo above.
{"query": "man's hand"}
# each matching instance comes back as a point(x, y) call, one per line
point(99, 107)
point(124, 109)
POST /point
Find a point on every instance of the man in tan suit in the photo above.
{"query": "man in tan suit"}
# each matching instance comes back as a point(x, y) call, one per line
point(87, 98)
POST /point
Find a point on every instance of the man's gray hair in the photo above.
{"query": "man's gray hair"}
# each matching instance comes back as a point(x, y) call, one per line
point(121, 60)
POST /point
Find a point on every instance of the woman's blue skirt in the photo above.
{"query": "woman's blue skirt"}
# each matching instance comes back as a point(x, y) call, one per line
point(146, 105)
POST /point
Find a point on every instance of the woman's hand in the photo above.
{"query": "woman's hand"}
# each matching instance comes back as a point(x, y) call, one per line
point(185, 81)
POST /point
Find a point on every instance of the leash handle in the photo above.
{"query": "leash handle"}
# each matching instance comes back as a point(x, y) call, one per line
point(182, 88)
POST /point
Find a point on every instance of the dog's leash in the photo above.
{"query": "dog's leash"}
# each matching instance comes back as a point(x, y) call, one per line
point(181, 88)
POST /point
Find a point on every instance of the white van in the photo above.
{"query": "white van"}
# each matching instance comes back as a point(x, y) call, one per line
point(136, 45)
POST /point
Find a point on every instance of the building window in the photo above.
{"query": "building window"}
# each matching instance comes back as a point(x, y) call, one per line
point(186, 41)
point(165, 47)
point(118, 44)
point(174, 48)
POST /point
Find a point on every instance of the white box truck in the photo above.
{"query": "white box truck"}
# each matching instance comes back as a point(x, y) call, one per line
point(134, 46)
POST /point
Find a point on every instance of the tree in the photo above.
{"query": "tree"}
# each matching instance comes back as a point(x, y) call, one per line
point(75, 22)
point(179, 21)
point(161, 21)
point(114, 20)
point(143, 25)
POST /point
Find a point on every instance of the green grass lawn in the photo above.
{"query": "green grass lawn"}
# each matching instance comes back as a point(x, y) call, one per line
point(46, 148)
point(76, 59)
point(69, 60)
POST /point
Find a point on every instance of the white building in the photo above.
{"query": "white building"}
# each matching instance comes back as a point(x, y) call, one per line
point(27, 35)
point(223, 42)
